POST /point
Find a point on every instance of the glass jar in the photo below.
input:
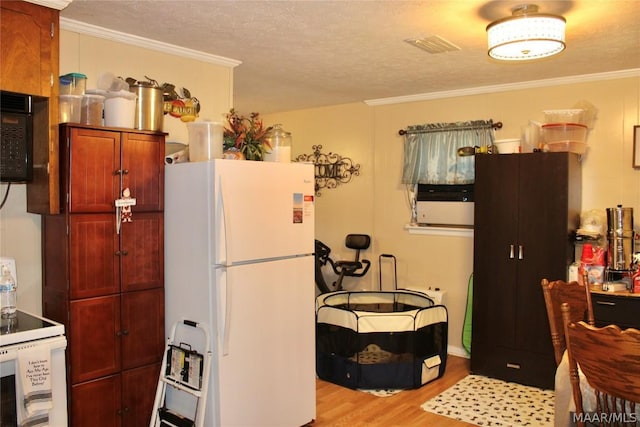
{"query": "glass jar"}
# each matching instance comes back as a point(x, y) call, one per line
point(279, 145)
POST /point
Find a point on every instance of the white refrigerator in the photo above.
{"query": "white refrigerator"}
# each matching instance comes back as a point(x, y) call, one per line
point(239, 242)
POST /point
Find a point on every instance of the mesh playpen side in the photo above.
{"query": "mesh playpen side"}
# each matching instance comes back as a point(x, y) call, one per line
point(376, 340)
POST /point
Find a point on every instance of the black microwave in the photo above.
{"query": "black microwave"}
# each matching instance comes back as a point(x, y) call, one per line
point(16, 137)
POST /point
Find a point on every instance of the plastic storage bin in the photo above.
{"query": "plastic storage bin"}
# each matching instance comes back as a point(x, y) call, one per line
point(559, 132)
point(69, 108)
point(564, 146)
point(92, 109)
point(120, 109)
point(73, 84)
point(205, 141)
point(564, 116)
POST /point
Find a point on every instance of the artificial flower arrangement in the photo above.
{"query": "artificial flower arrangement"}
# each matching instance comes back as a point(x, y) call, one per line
point(245, 135)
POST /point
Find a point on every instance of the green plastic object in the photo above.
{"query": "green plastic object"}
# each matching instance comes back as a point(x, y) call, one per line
point(466, 328)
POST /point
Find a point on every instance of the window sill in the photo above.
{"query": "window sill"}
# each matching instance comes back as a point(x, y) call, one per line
point(439, 230)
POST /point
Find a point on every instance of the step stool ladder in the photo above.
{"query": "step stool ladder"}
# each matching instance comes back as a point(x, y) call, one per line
point(186, 370)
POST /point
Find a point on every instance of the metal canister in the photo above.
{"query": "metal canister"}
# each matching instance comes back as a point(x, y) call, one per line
point(620, 236)
point(149, 106)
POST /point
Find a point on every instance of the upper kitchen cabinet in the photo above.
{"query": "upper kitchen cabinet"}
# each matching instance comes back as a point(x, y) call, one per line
point(105, 162)
point(29, 64)
point(29, 48)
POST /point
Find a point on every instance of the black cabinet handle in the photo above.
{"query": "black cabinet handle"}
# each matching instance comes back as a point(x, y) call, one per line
point(606, 303)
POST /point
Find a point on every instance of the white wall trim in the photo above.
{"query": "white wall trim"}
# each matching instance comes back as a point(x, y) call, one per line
point(457, 351)
point(104, 33)
point(635, 72)
point(52, 4)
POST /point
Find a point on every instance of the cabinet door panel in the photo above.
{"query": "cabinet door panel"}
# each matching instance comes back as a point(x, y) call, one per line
point(143, 327)
point(94, 160)
point(94, 338)
point(138, 393)
point(543, 235)
point(495, 229)
point(26, 48)
point(143, 159)
point(93, 263)
point(97, 403)
point(142, 249)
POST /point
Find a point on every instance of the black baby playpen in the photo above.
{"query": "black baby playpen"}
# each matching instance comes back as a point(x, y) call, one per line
point(380, 340)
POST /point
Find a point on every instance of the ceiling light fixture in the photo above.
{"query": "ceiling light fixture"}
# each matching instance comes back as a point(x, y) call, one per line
point(526, 35)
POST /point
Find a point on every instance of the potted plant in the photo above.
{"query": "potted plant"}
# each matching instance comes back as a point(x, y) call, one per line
point(245, 135)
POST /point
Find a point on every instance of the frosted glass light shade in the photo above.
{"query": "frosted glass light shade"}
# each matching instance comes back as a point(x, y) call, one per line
point(523, 37)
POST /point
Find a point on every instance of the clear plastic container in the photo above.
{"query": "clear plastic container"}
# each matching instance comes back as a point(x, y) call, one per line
point(69, 108)
point(575, 115)
point(205, 140)
point(279, 141)
point(566, 146)
point(563, 132)
point(92, 109)
point(73, 84)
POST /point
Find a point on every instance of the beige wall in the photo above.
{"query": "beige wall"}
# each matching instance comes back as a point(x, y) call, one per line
point(211, 83)
point(375, 201)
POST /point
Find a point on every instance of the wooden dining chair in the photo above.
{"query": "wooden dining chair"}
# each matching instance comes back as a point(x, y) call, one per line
point(579, 298)
point(609, 358)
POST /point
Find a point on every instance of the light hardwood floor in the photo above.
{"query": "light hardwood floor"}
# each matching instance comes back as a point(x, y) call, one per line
point(340, 406)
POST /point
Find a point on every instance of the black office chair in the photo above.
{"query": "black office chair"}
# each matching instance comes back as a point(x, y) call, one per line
point(355, 268)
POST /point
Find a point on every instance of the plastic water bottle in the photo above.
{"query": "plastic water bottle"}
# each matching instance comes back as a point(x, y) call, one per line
point(8, 296)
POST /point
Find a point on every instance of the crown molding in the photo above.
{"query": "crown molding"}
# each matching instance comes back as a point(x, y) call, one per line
point(104, 33)
point(52, 4)
point(635, 72)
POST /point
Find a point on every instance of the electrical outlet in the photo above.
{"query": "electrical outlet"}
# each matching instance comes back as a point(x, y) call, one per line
point(11, 263)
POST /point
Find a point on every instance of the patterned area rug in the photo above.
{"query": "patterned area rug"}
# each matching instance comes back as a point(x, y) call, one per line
point(489, 402)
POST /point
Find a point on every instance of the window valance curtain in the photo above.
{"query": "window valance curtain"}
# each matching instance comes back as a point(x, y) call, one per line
point(431, 151)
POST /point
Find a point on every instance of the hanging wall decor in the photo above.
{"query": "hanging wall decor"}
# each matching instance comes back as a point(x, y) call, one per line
point(331, 169)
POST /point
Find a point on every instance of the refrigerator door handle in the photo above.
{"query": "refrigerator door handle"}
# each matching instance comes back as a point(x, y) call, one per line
point(225, 229)
point(224, 304)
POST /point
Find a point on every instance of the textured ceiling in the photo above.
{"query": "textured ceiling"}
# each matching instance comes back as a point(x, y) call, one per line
point(302, 54)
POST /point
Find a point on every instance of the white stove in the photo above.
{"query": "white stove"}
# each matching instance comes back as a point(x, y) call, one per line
point(24, 332)
point(28, 327)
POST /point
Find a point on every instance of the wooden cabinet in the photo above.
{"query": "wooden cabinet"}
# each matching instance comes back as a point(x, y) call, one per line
point(104, 276)
point(29, 48)
point(526, 207)
point(29, 64)
point(616, 308)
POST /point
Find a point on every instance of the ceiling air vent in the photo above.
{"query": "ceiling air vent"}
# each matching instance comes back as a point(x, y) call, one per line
point(433, 44)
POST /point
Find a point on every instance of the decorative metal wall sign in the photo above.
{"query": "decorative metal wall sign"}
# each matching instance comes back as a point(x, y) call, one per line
point(331, 169)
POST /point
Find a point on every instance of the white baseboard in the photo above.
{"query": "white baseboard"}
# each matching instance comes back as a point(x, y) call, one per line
point(457, 351)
